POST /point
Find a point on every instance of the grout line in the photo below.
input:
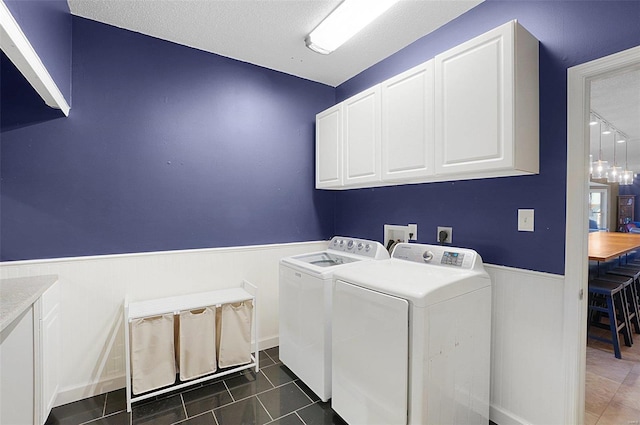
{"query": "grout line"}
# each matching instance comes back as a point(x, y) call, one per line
point(184, 407)
point(294, 412)
point(104, 407)
point(303, 392)
point(224, 382)
point(196, 416)
point(267, 354)
point(257, 393)
point(300, 417)
point(269, 357)
point(265, 409)
point(101, 417)
point(269, 380)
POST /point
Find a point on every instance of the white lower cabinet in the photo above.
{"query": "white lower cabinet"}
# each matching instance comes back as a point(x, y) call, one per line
point(471, 112)
point(29, 359)
point(49, 358)
point(18, 374)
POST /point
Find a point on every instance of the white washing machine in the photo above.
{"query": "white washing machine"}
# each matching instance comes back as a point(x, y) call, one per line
point(305, 307)
point(412, 338)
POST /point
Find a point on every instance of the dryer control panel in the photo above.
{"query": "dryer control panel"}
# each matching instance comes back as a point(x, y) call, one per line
point(438, 255)
point(366, 248)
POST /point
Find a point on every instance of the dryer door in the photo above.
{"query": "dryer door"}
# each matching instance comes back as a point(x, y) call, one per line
point(370, 356)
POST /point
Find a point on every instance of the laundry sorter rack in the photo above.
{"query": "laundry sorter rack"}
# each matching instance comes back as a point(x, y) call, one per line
point(170, 307)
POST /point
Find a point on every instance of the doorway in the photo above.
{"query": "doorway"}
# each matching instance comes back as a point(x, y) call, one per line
point(576, 254)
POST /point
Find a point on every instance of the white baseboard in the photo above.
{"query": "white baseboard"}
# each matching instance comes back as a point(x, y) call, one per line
point(266, 343)
point(502, 417)
point(71, 394)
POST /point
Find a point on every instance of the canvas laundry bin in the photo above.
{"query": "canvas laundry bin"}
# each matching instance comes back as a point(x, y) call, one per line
point(153, 363)
point(197, 343)
point(235, 334)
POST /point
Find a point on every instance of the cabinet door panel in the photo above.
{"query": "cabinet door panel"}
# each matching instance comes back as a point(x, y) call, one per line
point(474, 104)
point(18, 379)
point(50, 349)
point(329, 148)
point(361, 137)
point(50, 360)
point(407, 124)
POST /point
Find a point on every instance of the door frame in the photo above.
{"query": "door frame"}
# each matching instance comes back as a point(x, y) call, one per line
point(576, 247)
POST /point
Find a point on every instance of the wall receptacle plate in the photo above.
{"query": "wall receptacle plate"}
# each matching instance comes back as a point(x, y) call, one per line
point(449, 231)
point(525, 220)
point(413, 232)
point(395, 233)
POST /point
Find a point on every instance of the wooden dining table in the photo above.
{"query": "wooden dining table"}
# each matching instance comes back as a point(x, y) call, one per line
point(604, 246)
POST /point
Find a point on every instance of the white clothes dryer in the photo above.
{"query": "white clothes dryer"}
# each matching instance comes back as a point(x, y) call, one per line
point(305, 307)
point(411, 338)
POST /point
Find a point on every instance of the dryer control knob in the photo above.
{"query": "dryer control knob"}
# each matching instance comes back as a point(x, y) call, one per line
point(350, 245)
point(367, 247)
point(341, 243)
point(360, 246)
point(427, 256)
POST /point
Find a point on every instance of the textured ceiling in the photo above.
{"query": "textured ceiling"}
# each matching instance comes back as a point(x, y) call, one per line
point(271, 33)
point(616, 99)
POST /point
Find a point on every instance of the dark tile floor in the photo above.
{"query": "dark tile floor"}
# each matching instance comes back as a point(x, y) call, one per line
point(274, 395)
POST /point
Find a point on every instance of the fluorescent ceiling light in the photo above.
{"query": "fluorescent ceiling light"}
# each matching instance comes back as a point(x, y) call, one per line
point(344, 22)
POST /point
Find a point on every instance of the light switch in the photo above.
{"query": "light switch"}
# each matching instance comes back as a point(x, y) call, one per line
point(525, 220)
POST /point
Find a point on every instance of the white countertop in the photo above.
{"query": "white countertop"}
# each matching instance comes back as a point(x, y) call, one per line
point(17, 294)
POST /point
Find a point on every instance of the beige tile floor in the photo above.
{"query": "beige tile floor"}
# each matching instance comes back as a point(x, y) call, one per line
point(612, 390)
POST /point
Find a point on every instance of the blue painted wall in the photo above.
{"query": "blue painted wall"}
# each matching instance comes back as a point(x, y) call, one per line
point(483, 213)
point(167, 147)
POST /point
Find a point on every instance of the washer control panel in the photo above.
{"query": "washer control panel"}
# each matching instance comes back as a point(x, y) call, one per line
point(437, 255)
point(366, 248)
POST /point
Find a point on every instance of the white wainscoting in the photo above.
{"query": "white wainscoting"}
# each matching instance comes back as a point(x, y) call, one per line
point(93, 291)
point(527, 372)
point(527, 369)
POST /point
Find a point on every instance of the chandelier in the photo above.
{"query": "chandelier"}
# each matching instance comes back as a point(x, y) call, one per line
point(601, 169)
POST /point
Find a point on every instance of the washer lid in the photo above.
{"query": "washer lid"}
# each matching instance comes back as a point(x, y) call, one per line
point(322, 263)
point(326, 259)
point(421, 284)
point(341, 252)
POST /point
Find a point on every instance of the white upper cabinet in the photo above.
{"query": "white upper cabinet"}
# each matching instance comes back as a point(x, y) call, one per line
point(407, 125)
point(329, 148)
point(486, 105)
point(471, 112)
point(361, 137)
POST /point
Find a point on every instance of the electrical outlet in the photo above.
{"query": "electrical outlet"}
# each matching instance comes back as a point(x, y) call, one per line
point(413, 232)
point(449, 232)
